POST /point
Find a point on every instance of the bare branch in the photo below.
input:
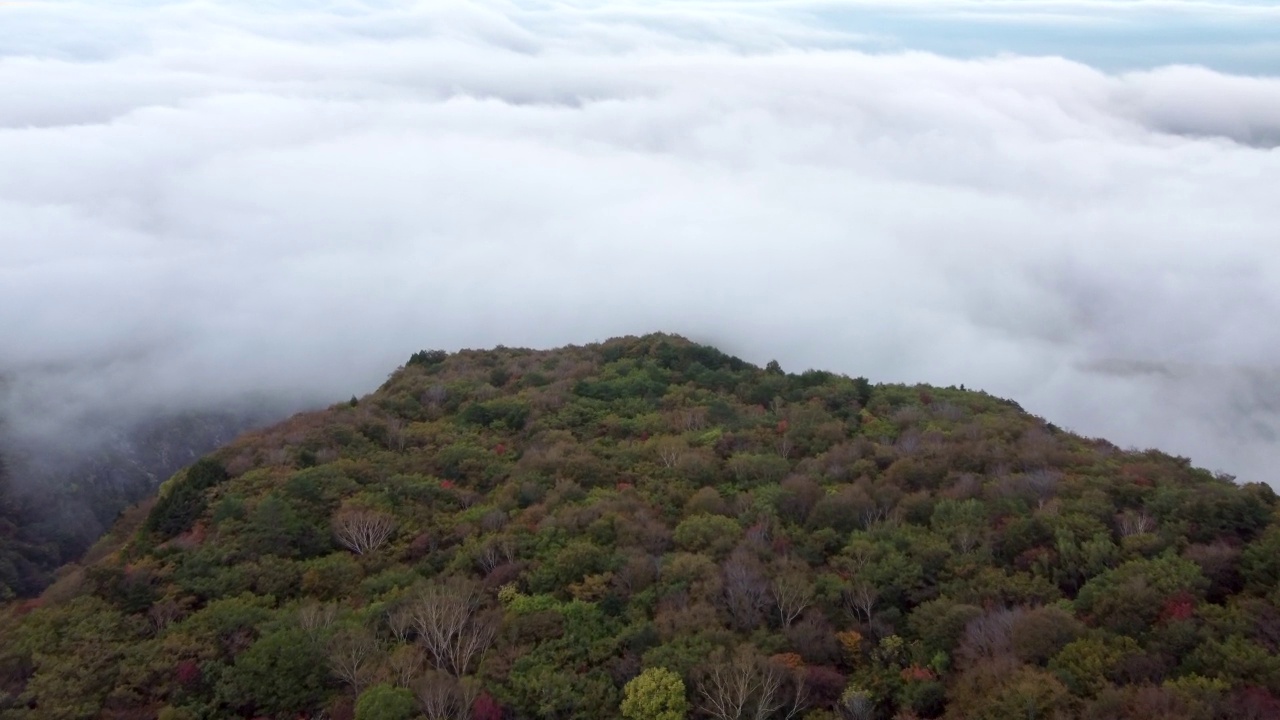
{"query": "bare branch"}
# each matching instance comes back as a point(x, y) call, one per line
point(792, 590)
point(314, 617)
point(353, 654)
point(363, 531)
point(860, 600)
point(450, 625)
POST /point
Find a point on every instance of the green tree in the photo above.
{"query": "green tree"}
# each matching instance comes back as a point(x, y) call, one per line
point(183, 499)
point(282, 674)
point(655, 694)
point(385, 702)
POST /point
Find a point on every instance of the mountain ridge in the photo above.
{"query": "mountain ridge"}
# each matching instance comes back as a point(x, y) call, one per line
point(639, 526)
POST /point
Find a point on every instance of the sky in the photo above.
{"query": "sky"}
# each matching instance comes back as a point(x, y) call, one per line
point(1071, 204)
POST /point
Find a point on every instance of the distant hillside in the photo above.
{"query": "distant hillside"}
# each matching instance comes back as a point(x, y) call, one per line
point(59, 497)
point(651, 529)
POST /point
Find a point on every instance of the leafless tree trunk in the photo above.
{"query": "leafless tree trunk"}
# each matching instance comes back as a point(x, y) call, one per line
point(495, 553)
point(878, 514)
point(1135, 523)
point(1043, 483)
point(801, 696)
point(363, 531)
point(784, 445)
point(400, 623)
point(164, 612)
point(742, 688)
point(353, 654)
point(745, 589)
point(694, 418)
point(395, 434)
point(670, 450)
point(405, 665)
point(451, 626)
point(314, 617)
point(792, 591)
point(857, 705)
point(438, 696)
point(966, 538)
point(860, 599)
point(988, 637)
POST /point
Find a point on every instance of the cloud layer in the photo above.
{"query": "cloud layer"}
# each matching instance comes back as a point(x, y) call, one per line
point(200, 201)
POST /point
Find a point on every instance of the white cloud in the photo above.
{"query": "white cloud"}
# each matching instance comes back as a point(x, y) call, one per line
point(209, 199)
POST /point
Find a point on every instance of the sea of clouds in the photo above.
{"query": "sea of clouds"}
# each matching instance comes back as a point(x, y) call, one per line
point(202, 200)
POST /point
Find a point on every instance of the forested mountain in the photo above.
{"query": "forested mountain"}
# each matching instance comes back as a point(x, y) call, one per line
point(57, 497)
point(650, 529)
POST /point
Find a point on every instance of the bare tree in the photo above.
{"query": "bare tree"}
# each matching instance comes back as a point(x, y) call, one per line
point(989, 636)
point(362, 531)
point(400, 622)
point(405, 664)
point(451, 626)
point(792, 590)
point(395, 434)
point(800, 697)
point(857, 705)
point(746, 592)
point(438, 695)
point(164, 612)
point(1135, 523)
point(860, 600)
point(1043, 483)
point(880, 513)
point(353, 654)
point(444, 697)
point(670, 450)
point(314, 617)
point(693, 418)
point(784, 444)
point(495, 553)
point(745, 687)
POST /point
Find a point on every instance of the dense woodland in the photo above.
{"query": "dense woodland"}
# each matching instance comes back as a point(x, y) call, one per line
point(650, 529)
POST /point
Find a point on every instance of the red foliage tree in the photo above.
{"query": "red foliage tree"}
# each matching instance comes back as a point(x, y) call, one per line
point(187, 672)
point(1178, 606)
point(485, 708)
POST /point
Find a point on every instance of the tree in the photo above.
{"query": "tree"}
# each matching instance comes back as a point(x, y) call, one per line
point(860, 600)
point(670, 449)
point(361, 530)
point(793, 591)
point(746, 592)
point(281, 674)
point(1088, 664)
point(655, 694)
point(384, 702)
point(439, 696)
point(450, 624)
point(744, 687)
point(182, 500)
point(353, 655)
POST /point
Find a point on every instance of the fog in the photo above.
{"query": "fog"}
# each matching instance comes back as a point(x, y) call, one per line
point(201, 201)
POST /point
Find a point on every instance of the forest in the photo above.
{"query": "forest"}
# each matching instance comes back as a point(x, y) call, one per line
point(651, 529)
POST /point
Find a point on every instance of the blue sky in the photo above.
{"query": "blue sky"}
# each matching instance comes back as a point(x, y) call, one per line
point(1237, 36)
point(1233, 36)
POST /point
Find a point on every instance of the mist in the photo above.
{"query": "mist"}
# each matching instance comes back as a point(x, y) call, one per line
point(202, 203)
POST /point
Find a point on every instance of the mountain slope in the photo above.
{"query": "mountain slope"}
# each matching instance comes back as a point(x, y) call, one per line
point(58, 496)
point(650, 528)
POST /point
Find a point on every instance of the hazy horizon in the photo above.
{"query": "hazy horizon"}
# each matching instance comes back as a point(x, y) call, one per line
point(1067, 203)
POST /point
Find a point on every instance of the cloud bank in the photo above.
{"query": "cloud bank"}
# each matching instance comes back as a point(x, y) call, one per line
point(201, 200)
